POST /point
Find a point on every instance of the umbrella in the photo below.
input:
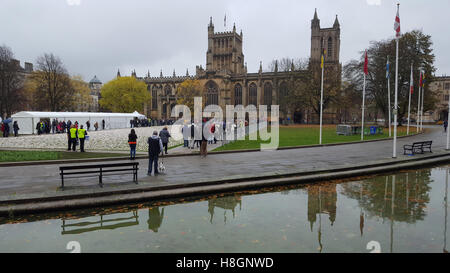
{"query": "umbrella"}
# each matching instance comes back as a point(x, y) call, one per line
point(8, 120)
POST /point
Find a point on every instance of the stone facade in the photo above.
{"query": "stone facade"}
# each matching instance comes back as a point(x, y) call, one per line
point(441, 88)
point(225, 79)
point(95, 85)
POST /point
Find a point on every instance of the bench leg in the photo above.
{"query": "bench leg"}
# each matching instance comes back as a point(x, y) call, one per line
point(62, 181)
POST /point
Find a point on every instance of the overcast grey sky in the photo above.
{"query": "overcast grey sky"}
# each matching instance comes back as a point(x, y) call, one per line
point(97, 37)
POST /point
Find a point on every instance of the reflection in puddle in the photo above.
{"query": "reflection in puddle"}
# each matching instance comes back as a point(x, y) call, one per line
point(404, 212)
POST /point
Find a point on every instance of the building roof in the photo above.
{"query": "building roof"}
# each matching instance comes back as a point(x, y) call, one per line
point(95, 80)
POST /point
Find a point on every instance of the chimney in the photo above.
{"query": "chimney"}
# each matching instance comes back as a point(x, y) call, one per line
point(28, 67)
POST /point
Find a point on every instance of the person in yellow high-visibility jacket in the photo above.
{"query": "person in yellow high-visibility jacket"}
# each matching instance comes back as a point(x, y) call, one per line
point(73, 137)
point(82, 133)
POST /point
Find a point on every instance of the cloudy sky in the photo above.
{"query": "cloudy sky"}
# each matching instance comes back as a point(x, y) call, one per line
point(97, 37)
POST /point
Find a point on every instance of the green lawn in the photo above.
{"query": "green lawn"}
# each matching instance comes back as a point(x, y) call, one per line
point(306, 135)
point(15, 156)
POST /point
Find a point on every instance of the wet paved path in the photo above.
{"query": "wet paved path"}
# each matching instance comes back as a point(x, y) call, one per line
point(44, 180)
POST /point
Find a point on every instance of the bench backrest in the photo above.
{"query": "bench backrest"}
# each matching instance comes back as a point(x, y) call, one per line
point(97, 166)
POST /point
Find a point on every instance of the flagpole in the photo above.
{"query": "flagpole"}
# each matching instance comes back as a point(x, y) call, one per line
point(448, 119)
point(409, 101)
point(421, 111)
point(409, 107)
point(366, 71)
point(394, 154)
point(389, 99)
point(418, 103)
point(363, 106)
point(321, 104)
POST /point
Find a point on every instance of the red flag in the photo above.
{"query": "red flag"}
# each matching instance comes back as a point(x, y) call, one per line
point(397, 24)
point(366, 62)
point(421, 80)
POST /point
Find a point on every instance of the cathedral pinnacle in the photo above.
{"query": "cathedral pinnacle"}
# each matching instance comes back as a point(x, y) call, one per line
point(336, 22)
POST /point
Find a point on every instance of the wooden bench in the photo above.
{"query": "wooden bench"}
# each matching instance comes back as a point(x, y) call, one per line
point(418, 147)
point(99, 169)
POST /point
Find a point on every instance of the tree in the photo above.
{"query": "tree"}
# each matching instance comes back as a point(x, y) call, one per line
point(186, 92)
point(82, 100)
point(50, 86)
point(415, 48)
point(124, 95)
point(11, 93)
point(286, 64)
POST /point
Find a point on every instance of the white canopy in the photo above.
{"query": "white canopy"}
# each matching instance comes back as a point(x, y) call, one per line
point(27, 120)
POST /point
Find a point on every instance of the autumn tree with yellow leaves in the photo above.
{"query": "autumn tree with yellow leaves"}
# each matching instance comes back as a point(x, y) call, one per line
point(124, 95)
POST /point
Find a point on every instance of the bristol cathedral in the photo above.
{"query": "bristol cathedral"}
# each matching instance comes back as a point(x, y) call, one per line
point(226, 81)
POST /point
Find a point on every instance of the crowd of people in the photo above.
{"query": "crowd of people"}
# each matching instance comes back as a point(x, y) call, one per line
point(61, 127)
point(158, 142)
point(5, 128)
point(150, 122)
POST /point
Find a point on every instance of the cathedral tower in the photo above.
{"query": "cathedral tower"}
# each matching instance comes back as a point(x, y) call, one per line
point(224, 51)
point(325, 38)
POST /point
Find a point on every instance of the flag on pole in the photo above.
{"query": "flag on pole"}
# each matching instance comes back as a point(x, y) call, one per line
point(397, 24)
point(322, 58)
point(411, 84)
point(366, 63)
point(387, 69)
point(421, 79)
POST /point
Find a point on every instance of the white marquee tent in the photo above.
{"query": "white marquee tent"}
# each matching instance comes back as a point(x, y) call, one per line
point(27, 120)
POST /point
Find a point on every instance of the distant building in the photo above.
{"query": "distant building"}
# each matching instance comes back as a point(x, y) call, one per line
point(26, 70)
point(225, 79)
point(23, 73)
point(441, 88)
point(95, 85)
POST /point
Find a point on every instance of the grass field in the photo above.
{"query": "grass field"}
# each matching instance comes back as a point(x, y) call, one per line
point(15, 156)
point(301, 135)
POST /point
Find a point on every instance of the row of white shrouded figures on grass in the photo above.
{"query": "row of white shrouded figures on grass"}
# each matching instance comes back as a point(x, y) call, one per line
point(102, 140)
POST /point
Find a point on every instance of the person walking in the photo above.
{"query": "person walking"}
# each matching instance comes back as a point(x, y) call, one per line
point(165, 135)
point(53, 126)
point(203, 146)
point(186, 133)
point(155, 147)
point(132, 141)
point(73, 137)
point(192, 140)
point(16, 128)
point(88, 125)
point(96, 126)
point(82, 133)
point(103, 124)
point(445, 126)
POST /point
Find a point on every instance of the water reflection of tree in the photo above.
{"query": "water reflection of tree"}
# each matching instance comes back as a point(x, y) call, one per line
point(226, 203)
point(407, 204)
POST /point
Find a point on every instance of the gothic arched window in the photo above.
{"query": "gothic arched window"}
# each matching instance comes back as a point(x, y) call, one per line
point(154, 97)
point(211, 93)
point(268, 93)
point(237, 94)
point(253, 94)
point(167, 90)
point(330, 47)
